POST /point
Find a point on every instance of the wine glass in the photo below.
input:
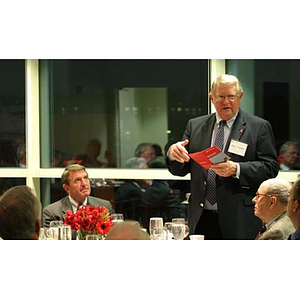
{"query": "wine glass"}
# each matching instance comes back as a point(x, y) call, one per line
point(155, 223)
point(117, 218)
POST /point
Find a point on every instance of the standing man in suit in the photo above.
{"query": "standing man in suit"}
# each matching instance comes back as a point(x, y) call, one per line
point(293, 209)
point(226, 212)
point(270, 206)
point(76, 183)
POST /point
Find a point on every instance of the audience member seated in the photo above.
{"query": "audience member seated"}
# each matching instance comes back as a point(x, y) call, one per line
point(90, 158)
point(20, 214)
point(142, 199)
point(127, 230)
point(293, 209)
point(270, 206)
point(159, 161)
point(76, 183)
point(21, 156)
point(288, 154)
point(146, 151)
point(128, 196)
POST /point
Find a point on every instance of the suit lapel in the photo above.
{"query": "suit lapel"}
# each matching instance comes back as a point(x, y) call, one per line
point(238, 129)
point(206, 132)
point(66, 205)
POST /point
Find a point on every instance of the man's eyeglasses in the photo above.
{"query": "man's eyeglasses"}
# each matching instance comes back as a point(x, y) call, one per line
point(257, 195)
point(229, 97)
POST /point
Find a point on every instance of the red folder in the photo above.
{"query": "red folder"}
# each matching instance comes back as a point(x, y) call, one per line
point(209, 156)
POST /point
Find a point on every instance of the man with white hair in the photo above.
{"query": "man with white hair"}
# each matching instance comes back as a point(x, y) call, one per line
point(270, 206)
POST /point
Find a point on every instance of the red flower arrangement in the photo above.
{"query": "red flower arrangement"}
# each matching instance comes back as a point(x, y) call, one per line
point(89, 220)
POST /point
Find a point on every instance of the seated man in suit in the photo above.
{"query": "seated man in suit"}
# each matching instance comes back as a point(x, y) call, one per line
point(293, 209)
point(20, 214)
point(270, 206)
point(76, 183)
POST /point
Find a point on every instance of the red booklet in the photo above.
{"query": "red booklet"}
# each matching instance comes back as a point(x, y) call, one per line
point(209, 156)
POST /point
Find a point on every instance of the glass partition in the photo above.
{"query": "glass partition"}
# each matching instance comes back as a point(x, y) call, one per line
point(98, 111)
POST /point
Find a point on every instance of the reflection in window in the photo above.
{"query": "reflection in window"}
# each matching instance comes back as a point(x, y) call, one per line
point(99, 111)
point(271, 92)
point(12, 110)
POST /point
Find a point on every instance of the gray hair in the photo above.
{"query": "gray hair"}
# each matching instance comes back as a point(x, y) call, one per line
point(135, 163)
point(142, 147)
point(226, 78)
point(66, 173)
point(278, 187)
point(20, 210)
point(127, 231)
point(284, 147)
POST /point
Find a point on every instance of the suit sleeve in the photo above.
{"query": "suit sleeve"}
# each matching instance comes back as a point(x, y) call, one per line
point(262, 163)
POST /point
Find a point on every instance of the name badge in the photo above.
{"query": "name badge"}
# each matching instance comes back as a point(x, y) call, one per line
point(238, 148)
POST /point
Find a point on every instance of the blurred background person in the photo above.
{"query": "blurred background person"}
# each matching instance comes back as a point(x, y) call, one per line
point(270, 206)
point(293, 209)
point(288, 154)
point(128, 196)
point(21, 155)
point(146, 151)
point(93, 150)
point(20, 214)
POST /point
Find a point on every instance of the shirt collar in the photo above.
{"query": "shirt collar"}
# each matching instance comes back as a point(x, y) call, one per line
point(269, 224)
point(229, 122)
point(74, 203)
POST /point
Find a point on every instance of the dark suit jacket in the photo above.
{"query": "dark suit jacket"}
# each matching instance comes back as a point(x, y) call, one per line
point(57, 210)
point(234, 196)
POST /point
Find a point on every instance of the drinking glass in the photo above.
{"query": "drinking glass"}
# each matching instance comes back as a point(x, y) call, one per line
point(65, 232)
point(54, 229)
point(168, 226)
point(160, 233)
point(178, 231)
point(117, 218)
point(155, 223)
point(181, 221)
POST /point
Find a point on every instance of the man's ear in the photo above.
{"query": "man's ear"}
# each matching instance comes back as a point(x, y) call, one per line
point(296, 206)
point(273, 201)
point(66, 188)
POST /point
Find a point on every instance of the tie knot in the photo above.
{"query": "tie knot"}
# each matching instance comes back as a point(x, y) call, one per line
point(80, 205)
point(222, 123)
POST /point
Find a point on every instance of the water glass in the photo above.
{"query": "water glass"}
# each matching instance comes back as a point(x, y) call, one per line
point(181, 221)
point(117, 218)
point(155, 223)
point(160, 234)
point(65, 232)
point(178, 231)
